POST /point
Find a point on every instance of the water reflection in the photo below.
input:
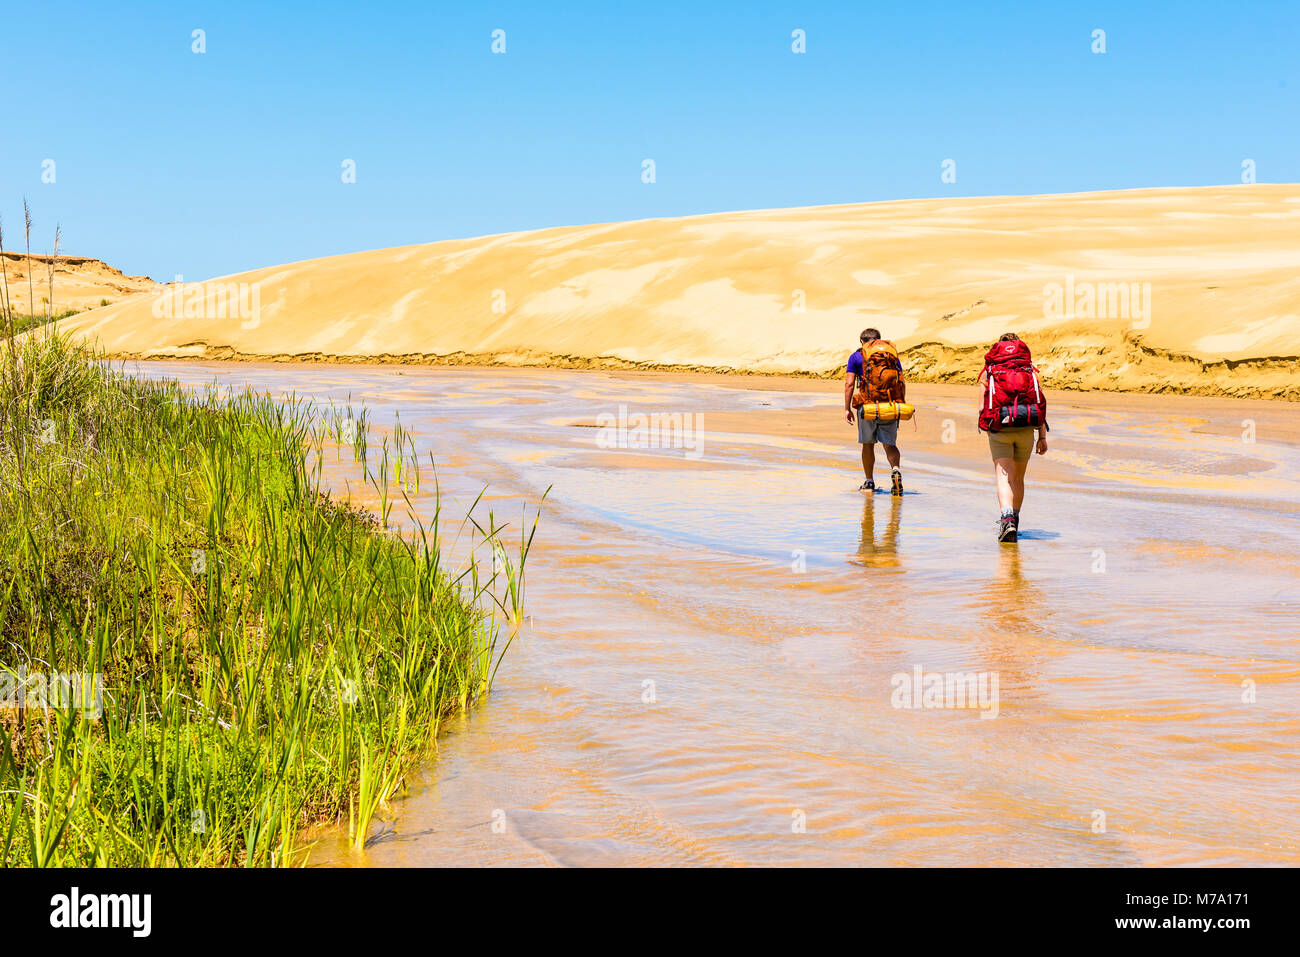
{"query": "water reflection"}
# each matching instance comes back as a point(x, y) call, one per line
point(1012, 612)
point(880, 550)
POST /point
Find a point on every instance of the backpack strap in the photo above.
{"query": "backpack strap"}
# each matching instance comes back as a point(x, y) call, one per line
point(1042, 401)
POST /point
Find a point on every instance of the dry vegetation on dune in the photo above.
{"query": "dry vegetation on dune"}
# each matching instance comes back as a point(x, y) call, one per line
point(1191, 290)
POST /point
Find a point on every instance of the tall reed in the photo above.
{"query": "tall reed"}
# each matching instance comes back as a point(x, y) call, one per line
point(50, 267)
point(27, 229)
point(5, 312)
point(270, 657)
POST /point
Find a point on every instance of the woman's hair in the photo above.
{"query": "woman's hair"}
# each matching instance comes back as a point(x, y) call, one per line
point(1009, 337)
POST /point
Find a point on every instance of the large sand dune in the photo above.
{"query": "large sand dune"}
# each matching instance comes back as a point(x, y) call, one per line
point(1188, 290)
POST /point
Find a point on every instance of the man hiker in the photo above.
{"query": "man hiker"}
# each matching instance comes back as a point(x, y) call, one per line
point(875, 375)
point(1012, 406)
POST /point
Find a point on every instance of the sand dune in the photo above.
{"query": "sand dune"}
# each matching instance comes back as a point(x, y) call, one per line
point(1184, 290)
point(79, 282)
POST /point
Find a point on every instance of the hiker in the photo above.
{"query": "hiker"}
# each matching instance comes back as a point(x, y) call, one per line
point(875, 375)
point(1012, 407)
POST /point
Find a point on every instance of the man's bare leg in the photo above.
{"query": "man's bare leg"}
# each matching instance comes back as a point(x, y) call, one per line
point(868, 459)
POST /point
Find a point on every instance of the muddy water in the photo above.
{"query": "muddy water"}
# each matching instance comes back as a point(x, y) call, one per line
point(718, 640)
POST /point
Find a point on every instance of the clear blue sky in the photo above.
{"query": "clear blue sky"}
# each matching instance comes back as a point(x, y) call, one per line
point(168, 161)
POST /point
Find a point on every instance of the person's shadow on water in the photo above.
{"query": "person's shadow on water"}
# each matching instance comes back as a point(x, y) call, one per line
point(1013, 601)
point(1013, 607)
point(882, 552)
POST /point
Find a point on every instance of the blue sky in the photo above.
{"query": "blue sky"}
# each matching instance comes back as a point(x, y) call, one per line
point(171, 162)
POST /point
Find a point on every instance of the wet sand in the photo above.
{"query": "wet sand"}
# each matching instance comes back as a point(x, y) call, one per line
point(715, 641)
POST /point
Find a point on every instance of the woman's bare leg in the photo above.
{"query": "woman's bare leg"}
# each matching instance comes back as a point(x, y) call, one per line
point(1005, 470)
point(1017, 482)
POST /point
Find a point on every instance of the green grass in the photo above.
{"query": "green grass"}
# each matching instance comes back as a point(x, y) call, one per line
point(271, 657)
point(27, 323)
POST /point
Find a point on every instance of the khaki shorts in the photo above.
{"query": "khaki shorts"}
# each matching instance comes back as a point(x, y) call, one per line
point(1015, 444)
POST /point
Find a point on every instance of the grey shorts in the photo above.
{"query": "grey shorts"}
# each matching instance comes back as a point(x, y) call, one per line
point(871, 431)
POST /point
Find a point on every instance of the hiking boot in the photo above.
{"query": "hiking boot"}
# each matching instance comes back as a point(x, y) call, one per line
point(896, 477)
point(867, 486)
point(1007, 529)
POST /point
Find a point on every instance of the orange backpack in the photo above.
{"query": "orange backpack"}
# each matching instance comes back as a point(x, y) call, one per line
point(882, 374)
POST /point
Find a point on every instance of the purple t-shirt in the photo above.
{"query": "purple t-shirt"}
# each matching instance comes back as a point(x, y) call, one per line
point(855, 363)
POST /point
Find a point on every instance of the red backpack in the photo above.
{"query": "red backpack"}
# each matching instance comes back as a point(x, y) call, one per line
point(1013, 398)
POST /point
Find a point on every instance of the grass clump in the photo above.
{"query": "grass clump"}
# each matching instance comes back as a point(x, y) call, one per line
point(258, 656)
point(23, 323)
